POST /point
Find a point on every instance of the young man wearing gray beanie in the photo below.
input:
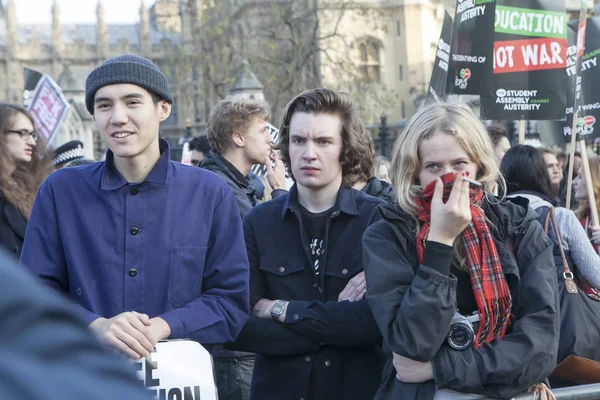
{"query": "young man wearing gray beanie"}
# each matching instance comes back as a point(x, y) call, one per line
point(123, 239)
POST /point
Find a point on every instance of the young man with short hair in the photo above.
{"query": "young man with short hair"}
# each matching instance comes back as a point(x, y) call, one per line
point(239, 136)
point(312, 329)
point(118, 236)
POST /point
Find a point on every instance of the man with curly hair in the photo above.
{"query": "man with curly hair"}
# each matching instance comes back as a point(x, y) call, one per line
point(311, 328)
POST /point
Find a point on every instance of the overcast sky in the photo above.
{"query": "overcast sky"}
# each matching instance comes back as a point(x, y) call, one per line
point(82, 11)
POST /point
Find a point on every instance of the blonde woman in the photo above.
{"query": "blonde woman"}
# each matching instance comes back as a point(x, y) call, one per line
point(451, 250)
point(381, 169)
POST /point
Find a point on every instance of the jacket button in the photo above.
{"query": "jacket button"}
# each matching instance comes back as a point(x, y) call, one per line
point(134, 231)
point(328, 363)
point(134, 191)
point(133, 272)
point(320, 290)
point(281, 269)
point(307, 359)
point(296, 316)
point(344, 271)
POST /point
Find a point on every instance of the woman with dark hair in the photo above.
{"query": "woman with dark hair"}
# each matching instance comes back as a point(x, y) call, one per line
point(527, 176)
point(24, 164)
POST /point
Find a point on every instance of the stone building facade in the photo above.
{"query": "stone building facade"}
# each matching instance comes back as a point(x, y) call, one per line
point(385, 59)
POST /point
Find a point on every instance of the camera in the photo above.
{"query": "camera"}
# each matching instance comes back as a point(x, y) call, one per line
point(461, 333)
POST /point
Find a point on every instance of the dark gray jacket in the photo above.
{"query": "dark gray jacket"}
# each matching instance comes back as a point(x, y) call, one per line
point(413, 305)
point(12, 228)
point(378, 188)
point(244, 194)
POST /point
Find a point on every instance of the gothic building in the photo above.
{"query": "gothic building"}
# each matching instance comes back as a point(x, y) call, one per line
point(384, 60)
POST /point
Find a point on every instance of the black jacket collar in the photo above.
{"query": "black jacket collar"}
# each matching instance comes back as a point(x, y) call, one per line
point(344, 202)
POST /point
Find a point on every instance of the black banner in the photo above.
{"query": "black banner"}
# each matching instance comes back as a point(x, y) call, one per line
point(470, 67)
point(530, 53)
point(439, 73)
point(588, 103)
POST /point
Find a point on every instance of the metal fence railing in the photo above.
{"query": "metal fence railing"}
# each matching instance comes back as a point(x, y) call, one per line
point(581, 392)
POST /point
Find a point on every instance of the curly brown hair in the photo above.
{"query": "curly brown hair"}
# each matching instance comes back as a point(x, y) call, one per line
point(19, 186)
point(355, 143)
point(233, 114)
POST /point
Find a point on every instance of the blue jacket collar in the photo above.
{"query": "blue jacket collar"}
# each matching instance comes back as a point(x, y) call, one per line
point(344, 202)
point(112, 179)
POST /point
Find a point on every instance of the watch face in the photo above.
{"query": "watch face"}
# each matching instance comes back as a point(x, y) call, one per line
point(277, 309)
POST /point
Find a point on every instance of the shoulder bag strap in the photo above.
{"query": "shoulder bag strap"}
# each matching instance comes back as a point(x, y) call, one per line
point(567, 274)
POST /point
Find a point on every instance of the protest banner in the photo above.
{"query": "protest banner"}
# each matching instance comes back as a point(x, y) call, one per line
point(529, 59)
point(178, 369)
point(470, 66)
point(588, 103)
point(47, 106)
point(587, 52)
point(439, 73)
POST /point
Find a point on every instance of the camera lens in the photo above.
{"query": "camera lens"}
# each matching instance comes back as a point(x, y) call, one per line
point(460, 337)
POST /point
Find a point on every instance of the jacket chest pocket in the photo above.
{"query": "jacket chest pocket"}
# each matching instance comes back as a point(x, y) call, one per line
point(186, 270)
point(282, 274)
point(339, 270)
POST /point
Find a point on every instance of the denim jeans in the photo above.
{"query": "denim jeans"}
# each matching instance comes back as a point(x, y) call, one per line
point(233, 376)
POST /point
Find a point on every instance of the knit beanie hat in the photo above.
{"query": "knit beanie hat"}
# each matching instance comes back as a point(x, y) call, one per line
point(127, 68)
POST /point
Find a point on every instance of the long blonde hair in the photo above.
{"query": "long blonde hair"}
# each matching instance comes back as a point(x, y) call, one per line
point(584, 205)
point(451, 118)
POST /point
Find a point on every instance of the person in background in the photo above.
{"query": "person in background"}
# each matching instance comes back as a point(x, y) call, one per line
point(48, 353)
point(582, 211)
point(66, 153)
point(381, 168)
point(200, 149)
point(24, 164)
point(525, 176)
point(372, 184)
point(239, 137)
point(451, 251)
point(500, 142)
point(554, 171)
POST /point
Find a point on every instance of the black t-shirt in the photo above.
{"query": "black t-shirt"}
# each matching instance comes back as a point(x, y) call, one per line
point(314, 227)
point(465, 298)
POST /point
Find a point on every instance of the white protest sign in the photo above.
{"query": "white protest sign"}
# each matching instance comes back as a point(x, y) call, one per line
point(186, 154)
point(178, 370)
point(48, 108)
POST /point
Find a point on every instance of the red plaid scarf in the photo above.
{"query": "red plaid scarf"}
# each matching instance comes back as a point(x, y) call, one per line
point(490, 289)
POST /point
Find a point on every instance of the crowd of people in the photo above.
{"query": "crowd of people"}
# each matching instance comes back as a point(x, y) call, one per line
point(452, 272)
